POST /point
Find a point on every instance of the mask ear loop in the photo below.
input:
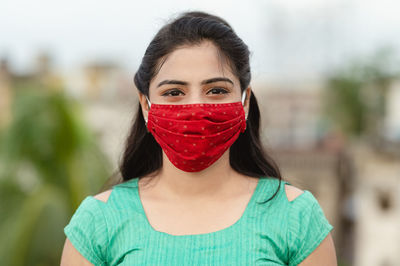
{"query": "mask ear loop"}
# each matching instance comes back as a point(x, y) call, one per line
point(243, 97)
point(148, 102)
point(244, 94)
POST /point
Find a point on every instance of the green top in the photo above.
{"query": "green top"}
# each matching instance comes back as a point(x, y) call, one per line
point(279, 232)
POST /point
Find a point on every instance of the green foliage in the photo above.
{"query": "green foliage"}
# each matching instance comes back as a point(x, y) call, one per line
point(49, 161)
point(345, 104)
point(355, 96)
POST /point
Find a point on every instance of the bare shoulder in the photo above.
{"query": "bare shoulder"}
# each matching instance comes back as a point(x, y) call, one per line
point(103, 196)
point(71, 257)
point(324, 254)
point(292, 192)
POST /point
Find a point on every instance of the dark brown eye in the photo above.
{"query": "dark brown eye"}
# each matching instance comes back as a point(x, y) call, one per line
point(218, 90)
point(172, 93)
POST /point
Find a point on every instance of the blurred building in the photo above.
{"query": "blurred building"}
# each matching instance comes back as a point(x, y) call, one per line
point(102, 82)
point(377, 201)
point(109, 98)
point(392, 120)
point(310, 157)
point(357, 183)
point(292, 118)
point(41, 76)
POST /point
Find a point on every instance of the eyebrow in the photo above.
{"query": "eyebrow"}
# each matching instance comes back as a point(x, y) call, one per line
point(207, 81)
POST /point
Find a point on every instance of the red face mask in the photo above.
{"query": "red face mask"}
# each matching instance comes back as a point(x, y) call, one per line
point(194, 136)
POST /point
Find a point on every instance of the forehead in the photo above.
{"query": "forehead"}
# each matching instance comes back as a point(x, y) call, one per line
point(194, 63)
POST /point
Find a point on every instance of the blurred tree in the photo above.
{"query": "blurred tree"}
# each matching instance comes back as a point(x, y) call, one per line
point(49, 161)
point(355, 97)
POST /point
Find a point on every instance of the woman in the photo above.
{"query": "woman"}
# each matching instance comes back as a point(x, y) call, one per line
point(198, 188)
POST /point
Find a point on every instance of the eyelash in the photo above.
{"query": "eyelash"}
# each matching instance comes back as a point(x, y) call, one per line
point(224, 91)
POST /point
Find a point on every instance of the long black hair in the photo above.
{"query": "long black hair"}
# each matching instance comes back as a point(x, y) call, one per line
point(142, 154)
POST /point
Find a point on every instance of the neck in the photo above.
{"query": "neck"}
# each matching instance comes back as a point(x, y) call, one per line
point(217, 179)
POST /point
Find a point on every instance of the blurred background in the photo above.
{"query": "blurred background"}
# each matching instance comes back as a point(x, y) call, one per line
point(326, 74)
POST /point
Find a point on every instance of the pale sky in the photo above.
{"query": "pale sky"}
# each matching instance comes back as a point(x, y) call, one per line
point(286, 37)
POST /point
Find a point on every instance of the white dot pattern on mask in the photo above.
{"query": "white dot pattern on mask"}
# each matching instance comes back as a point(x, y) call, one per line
point(178, 127)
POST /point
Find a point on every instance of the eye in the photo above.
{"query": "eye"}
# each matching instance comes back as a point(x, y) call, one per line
point(173, 92)
point(218, 90)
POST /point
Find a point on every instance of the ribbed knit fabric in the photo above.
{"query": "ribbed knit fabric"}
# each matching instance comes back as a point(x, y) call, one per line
point(278, 232)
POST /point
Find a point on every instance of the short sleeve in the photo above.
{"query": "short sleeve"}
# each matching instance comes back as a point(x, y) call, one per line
point(87, 231)
point(307, 227)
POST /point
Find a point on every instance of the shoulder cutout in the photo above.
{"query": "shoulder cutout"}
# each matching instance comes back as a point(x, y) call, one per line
point(292, 192)
point(103, 196)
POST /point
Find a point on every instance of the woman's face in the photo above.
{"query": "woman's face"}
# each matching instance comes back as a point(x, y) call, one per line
point(194, 74)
